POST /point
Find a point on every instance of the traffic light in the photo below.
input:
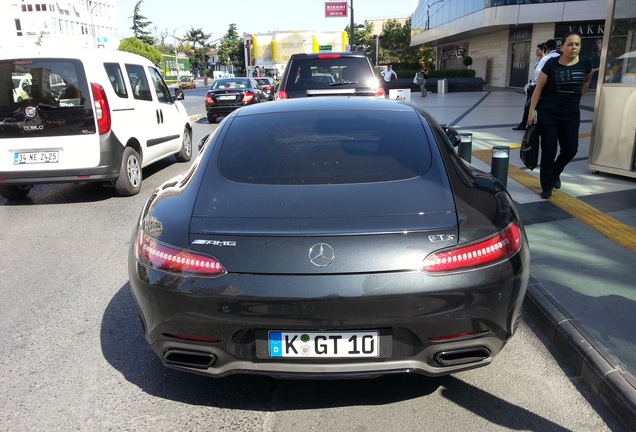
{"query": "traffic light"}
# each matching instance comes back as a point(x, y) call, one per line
point(230, 36)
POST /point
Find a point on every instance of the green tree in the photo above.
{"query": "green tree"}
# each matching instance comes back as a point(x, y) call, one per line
point(395, 47)
point(139, 25)
point(136, 46)
point(363, 37)
point(199, 43)
point(232, 50)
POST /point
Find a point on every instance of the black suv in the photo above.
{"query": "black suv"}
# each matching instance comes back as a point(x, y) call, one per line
point(329, 74)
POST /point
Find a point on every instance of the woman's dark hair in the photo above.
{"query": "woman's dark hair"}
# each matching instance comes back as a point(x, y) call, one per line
point(567, 35)
point(543, 47)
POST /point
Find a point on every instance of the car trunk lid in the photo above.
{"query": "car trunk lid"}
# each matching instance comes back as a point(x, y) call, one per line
point(306, 230)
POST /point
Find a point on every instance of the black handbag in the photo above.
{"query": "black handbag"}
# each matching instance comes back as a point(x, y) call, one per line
point(530, 147)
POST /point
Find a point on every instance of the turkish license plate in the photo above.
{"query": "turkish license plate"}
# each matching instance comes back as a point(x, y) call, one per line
point(324, 344)
point(35, 157)
point(227, 97)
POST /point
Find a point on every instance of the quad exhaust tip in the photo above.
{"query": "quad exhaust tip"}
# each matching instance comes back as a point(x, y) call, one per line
point(462, 356)
point(191, 359)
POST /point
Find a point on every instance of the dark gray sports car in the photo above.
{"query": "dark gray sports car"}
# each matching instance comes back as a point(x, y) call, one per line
point(348, 239)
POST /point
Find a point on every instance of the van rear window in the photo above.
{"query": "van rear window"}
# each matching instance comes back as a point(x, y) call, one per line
point(44, 97)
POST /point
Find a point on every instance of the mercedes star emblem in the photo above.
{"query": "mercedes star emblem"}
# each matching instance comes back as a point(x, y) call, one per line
point(321, 254)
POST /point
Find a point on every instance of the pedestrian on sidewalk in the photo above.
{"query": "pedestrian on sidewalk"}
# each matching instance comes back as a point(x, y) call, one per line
point(560, 85)
point(422, 81)
point(387, 75)
point(541, 51)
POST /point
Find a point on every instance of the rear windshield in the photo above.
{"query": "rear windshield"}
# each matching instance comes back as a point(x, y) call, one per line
point(318, 73)
point(329, 147)
point(45, 97)
point(230, 84)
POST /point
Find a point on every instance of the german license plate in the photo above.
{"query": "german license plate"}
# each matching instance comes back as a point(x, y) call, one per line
point(324, 344)
point(35, 157)
point(227, 97)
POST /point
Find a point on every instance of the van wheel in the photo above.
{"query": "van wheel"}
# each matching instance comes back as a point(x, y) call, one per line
point(211, 118)
point(185, 154)
point(12, 192)
point(129, 181)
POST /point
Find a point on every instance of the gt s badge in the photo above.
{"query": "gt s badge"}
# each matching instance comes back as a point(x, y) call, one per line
point(441, 237)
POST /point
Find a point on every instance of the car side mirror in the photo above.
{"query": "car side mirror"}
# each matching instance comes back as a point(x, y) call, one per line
point(178, 94)
point(452, 135)
point(202, 141)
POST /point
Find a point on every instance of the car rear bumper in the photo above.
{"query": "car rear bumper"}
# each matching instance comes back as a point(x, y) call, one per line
point(220, 326)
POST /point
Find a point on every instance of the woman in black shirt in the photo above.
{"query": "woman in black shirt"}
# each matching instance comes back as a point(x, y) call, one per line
point(555, 107)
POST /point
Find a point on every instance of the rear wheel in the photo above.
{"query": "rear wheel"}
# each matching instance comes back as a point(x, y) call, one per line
point(185, 154)
point(13, 192)
point(129, 181)
point(211, 118)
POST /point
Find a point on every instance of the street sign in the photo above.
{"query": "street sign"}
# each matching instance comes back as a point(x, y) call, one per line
point(336, 9)
point(181, 55)
point(325, 47)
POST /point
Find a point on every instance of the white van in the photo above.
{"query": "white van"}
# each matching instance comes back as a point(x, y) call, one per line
point(85, 115)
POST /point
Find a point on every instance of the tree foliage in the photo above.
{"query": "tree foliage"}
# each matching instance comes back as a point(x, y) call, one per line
point(232, 50)
point(198, 41)
point(139, 25)
point(136, 46)
point(395, 47)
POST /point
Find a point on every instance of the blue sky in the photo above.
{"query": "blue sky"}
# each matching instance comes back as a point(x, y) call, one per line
point(253, 16)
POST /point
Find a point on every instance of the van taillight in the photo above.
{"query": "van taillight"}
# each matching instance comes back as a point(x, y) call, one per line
point(102, 110)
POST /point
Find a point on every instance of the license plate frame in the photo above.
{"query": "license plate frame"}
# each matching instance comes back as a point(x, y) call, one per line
point(226, 98)
point(41, 157)
point(327, 345)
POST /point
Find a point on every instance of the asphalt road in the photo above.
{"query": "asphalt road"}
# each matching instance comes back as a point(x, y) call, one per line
point(74, 357)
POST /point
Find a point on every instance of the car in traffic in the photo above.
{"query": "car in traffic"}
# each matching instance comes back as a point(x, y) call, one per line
point(227, 94)
point(348, 240)
point(268, 85)
point(329, 74)
point(187, 82)
point(89, 115)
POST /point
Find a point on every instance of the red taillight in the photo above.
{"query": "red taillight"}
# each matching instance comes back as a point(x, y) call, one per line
point(282, 94)
point(208, 99)
point(328, 56)
point(160, 256)
point(248, 97)
point(502, 245)
point(102, 109)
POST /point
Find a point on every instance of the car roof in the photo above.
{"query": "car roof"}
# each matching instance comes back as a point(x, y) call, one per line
point(329, 54)
point(335, 103)
point(90, 55)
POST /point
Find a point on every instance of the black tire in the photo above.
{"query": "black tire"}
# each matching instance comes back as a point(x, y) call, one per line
point(211, 118)
point(12, 192)
point(185, 154)
point(130, 176)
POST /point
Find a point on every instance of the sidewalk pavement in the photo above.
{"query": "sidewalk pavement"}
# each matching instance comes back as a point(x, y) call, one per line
point(582, 289)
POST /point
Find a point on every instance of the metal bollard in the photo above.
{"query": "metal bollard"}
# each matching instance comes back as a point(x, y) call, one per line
point(466, 146)
point(499, 164)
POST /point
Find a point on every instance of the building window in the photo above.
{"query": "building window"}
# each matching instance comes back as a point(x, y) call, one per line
point(18, 27)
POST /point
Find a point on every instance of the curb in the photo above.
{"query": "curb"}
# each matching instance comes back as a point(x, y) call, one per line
point(592, 362)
